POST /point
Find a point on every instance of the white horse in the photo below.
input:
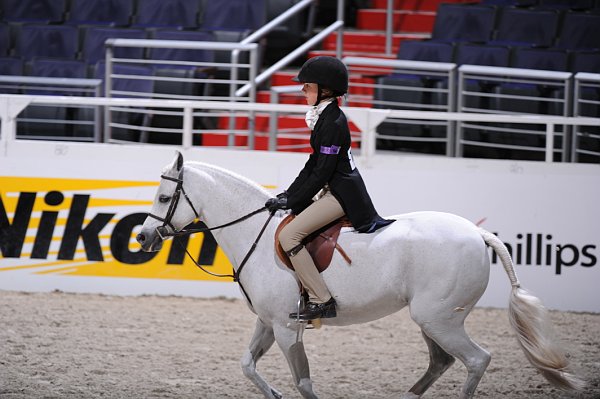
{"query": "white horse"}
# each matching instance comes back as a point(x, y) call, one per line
point(435, 263)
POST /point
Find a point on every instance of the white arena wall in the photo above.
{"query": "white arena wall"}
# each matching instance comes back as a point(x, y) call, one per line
point(69, 213)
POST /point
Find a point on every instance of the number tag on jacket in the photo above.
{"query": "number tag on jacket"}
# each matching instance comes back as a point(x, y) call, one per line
point(352, 165)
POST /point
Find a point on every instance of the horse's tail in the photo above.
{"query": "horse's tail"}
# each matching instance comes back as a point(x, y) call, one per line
point(529, 318)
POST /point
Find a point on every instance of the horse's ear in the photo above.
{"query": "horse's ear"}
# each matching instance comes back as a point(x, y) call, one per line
point(178, 162)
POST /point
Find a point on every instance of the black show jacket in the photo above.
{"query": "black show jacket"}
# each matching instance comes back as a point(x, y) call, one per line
point(331, 163)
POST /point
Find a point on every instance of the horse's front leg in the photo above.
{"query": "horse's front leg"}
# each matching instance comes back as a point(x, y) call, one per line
point(290, 342)
point(261, 342)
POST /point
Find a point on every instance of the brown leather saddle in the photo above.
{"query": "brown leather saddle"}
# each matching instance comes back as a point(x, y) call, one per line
point(320, 244)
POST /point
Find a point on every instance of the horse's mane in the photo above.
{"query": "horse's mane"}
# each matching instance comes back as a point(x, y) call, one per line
point(230, 175)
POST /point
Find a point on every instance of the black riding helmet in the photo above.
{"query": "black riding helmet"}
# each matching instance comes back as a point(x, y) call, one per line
point(327, 72)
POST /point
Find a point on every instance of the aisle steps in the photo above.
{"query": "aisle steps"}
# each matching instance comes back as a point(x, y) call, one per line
point(402, 21)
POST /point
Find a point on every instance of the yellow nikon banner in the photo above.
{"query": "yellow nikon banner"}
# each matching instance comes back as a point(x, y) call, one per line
point(85, 227)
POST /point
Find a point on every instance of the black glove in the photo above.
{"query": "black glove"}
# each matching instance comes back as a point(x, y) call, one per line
point(280, 202)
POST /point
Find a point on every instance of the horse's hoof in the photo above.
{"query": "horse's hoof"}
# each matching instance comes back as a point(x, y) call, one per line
point(276, 394)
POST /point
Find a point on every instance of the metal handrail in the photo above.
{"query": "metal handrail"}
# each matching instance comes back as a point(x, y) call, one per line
point(291, 56)
point(366, 119)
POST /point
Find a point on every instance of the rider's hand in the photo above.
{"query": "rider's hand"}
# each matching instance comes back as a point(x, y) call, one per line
point(280, 202)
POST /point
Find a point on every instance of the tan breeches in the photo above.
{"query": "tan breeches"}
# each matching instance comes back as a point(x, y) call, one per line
point(320, 213)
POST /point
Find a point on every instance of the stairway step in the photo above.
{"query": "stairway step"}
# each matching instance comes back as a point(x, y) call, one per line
point(264, 96)
point(332, 53)
point(284, 78)
point(402, 21)
point(367, 41)
point(261, 136)
point(422, 5)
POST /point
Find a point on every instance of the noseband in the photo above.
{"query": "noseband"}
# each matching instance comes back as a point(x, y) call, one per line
point(162, 230)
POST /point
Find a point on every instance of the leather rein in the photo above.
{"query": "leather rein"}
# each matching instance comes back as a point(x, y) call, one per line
point(163, 232)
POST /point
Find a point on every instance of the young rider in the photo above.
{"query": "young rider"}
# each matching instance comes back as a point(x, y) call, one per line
point(330, 168)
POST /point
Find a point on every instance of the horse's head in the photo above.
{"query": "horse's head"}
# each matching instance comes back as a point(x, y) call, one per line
point(171, 211)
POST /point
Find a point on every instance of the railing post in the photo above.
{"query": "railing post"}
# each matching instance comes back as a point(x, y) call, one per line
point(188, 119)
point(107, 90)
point(451, 125)
point(458, 132)
point(233, 76)
point(389, 26)
point(567, 129)
point(549, 142)
point(97, 118)
point(575, 131)
point(340, 33)
point(252, 114)
point(273, 118)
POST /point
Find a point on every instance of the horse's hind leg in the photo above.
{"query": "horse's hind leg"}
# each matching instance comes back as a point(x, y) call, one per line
point(439, 362)
point(450, 335)
point(290, 342)
point(261, 342)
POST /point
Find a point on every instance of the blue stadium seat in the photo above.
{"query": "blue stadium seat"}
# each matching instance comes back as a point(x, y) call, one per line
point(181, 54)
point(580, 31)
point(58, 68)
point(409, 91)
point(101, 12)
point(585, 61)
point(173, 13)
point(429, 51)
point(523, 100)
point(143, 86)
point(11, 66)
point(520, 27)
point(417, 50)
point(567, 4)
point(476, 54)
point(54, 41)
point(505, 3)
point(46, 115)
point(125, 84)
point(95, 37)
point(464, 22)
point(34, 10)
point(234, 15)
point(484, 55)
point(542, 59)
point(4, 40)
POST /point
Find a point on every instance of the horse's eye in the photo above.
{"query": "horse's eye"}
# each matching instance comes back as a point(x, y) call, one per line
point(164, 198)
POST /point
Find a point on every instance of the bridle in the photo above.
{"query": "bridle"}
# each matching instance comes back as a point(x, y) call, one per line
point(163, 232)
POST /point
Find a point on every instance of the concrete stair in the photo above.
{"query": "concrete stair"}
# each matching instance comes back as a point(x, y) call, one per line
point(402, 21)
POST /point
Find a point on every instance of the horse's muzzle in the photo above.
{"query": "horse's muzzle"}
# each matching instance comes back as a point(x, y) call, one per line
point(149, 245)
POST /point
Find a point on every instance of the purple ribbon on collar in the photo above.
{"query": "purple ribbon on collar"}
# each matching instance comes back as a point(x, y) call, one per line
point(333, 150)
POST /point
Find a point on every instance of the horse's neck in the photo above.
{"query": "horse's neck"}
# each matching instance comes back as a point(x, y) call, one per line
point(226, 197)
